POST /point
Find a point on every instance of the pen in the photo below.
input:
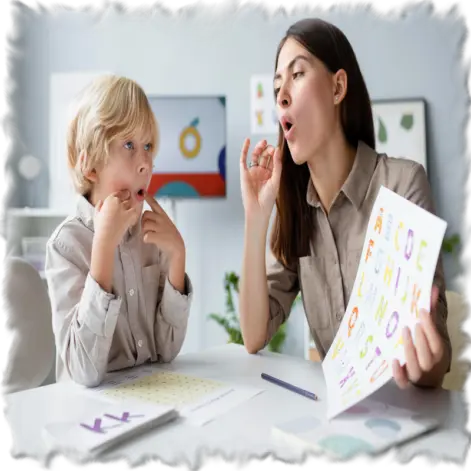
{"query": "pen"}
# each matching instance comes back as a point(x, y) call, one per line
point(295, 389)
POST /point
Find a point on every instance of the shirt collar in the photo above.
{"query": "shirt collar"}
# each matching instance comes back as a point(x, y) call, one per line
point(357, 183)
point(85, 211)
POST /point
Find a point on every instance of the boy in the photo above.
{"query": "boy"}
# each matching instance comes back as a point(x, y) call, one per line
point(117, 283)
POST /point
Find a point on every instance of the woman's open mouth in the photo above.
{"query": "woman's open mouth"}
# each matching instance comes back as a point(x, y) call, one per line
point(288, 127)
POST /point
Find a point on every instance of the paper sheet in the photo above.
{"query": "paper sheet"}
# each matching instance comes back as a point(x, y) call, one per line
point(370, 428)
point(393, 282)
point(199, 400)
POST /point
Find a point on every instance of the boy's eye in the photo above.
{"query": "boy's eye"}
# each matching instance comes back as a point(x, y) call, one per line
point(129, 145)
point(148, 147)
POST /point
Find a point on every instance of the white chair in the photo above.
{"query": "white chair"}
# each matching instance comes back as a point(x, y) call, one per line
point(29, 319)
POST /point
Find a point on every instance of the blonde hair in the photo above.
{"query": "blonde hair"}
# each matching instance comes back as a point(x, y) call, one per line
point(110, 107)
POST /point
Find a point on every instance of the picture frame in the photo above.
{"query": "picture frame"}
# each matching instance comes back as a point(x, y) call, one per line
point(191, 156)
point(401, 128)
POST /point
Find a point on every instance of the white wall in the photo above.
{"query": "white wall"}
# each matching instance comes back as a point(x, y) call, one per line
point(203, 53)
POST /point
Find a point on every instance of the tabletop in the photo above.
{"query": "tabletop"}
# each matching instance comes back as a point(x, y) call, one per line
point(245, 432)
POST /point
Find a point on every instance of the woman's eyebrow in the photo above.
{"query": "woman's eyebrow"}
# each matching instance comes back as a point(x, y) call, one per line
point(291, 64)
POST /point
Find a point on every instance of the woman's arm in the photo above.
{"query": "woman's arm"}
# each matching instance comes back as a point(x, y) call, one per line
point(266, 292)
point(253, 289)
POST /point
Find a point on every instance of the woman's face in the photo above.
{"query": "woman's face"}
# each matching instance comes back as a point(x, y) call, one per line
point(305, 101)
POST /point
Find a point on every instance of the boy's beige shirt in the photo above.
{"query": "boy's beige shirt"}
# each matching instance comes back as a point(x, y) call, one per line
point(144, 318)
point(326, 276)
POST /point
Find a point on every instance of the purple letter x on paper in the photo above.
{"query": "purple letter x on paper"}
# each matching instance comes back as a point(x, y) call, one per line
point(124, 418)
point(96, 427)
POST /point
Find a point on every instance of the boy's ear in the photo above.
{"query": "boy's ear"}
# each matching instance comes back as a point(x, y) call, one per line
point(89, 174)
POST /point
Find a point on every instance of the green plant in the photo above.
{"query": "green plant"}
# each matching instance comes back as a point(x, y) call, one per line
point(453, 246)
point(230, 320)
point(451, 243)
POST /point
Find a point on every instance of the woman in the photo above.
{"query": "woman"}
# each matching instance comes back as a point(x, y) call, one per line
point(325, 176)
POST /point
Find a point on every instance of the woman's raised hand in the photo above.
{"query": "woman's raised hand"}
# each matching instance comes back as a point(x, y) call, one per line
point(260, 181)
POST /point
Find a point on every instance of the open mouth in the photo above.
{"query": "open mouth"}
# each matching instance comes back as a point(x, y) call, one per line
point(140, 194)
point(287, 124)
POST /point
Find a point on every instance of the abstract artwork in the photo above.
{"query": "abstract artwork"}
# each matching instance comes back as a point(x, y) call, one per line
point(191, 156)
point(400, 128)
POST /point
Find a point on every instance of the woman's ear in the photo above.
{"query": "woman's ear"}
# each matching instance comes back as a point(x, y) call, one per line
point(340, 86)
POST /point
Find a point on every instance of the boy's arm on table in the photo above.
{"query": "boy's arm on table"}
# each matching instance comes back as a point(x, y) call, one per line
point(84, 315)
point(172, 310)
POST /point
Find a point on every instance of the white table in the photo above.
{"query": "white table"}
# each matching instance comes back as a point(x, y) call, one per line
point(245, 431)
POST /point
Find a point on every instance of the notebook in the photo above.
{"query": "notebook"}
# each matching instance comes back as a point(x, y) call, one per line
point(367, 428)
point(86, 435)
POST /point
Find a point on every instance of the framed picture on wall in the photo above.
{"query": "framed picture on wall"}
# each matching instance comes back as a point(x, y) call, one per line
point(400, 128)
point(191, 157)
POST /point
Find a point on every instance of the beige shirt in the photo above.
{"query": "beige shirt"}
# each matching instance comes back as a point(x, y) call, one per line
point(326, 277)
point(143, 319)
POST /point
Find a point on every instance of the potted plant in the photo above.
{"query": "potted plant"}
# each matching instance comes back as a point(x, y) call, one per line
point(230, 320)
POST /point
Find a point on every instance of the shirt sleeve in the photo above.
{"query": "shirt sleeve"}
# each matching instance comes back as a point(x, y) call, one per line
point(84, 315)
point(171, 321)
point(283, 287)
point(419, 192)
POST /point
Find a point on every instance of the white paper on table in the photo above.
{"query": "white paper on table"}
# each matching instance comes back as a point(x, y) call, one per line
point(217, 399)
point(263, 117)
point(370, 428)
point(397, 266)
point(88, 433)
point(217, 404)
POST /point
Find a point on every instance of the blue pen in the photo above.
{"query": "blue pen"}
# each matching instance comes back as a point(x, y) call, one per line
point(295, 389)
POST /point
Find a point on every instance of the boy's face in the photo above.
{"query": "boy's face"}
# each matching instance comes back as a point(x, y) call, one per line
point(129, 167)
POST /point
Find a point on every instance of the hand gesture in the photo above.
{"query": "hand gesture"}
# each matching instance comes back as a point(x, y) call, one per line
point(261, 181)
point(158, 229)
point(113, 217)
point(424, 360)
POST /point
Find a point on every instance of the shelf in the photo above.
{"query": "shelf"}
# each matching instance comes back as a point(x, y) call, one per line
point(37, 212)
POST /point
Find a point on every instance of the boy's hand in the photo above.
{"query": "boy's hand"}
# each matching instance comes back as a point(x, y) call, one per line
point(158, 229)
point(113, 217)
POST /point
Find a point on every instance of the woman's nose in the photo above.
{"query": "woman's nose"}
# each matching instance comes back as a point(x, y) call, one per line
point(283, 98)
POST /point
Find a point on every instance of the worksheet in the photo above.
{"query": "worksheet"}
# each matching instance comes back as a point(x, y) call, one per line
point(393, 282)
point(200, 400)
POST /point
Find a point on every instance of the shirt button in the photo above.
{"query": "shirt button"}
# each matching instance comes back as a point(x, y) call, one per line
point(131, 292)
point(339, 316)
point(140, 343)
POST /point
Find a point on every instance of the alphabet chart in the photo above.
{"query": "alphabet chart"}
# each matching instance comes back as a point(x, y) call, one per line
point(393, 282)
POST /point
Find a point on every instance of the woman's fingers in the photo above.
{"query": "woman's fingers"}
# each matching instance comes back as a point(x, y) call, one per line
point(257, 152)
point(277, 166)
point(243, 155)
point(266, 157)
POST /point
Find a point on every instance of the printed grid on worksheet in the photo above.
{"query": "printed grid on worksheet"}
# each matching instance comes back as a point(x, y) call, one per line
point(166, 388)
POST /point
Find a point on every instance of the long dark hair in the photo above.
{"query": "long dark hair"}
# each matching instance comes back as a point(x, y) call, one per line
point(292, 229)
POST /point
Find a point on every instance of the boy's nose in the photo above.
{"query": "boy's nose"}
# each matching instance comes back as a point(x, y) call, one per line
point(144, 167)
